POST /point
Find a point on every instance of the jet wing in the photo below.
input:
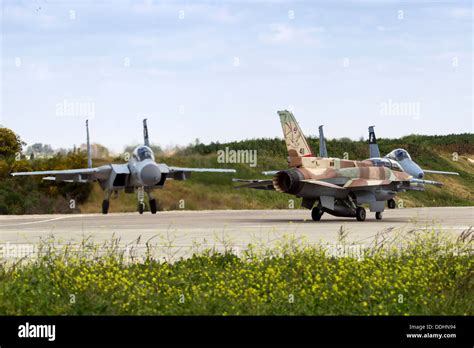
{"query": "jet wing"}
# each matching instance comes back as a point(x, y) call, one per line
point(429, 182)
point(201, 170)
point(256, 184)
point(71, 175)
point(439, 172)
point(181, 173)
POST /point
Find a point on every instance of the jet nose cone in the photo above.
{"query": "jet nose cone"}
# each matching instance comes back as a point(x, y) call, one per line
point(421, 175)
point(150, 174)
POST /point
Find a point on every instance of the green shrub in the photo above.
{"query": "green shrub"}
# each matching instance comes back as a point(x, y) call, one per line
point(420, 274)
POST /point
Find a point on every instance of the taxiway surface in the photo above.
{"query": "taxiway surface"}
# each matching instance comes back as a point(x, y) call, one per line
point(238, 227)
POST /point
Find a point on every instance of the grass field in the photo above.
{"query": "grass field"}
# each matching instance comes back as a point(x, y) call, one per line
point(421, 273)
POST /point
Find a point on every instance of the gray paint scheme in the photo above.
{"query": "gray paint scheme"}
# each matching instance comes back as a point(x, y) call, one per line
point(403, 158)
point(373, 147)
point(141, 173)
point(323, 152)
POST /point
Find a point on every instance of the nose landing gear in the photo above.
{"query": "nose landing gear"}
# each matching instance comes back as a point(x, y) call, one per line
point(391, 203)
point(141, 207)
point(151, 200)
point(141, 199)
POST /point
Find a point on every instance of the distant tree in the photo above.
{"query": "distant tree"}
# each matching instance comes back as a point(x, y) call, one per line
point(4, 168)
point(21, 166)
point(76, 159)
point(39, 149)
point(345, 140)
point(10, 143)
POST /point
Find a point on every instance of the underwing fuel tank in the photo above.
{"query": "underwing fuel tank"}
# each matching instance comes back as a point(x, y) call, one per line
point(341, 210)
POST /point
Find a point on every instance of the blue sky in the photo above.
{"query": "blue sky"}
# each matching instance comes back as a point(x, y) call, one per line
point(220, 70)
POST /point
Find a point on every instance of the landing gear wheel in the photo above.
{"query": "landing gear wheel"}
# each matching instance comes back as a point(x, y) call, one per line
point(316, 213)
point(391, 204)
point(360, 214)
point(105, 206)
point(378, 215)
point(141, 207)
point(153, 208)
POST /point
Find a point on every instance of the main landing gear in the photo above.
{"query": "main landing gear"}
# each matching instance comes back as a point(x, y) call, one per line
point(360, 214)
point(153, 206)
point(347, 208)
point(105, 206)
point(316, 213)
point(141, 201)
point(152, 202)
point(106, 202)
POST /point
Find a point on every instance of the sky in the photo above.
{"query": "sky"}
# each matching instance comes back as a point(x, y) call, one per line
point(220, 70)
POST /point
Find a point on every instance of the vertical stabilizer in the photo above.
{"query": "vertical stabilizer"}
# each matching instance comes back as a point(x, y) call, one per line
point(323, 152)
point(295, 141)
point(145, 133)
point(373, 146)
point(89, 153)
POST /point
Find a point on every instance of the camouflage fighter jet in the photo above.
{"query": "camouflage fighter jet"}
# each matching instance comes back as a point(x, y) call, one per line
point(403, 158)
point(140, 174)
point(336, 186)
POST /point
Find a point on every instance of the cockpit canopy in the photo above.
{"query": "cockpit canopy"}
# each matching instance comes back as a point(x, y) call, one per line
point(142, 153)
point(386, 162)
point(399, 155)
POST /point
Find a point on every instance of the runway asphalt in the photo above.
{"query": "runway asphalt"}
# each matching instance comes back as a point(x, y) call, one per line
point(183, 229)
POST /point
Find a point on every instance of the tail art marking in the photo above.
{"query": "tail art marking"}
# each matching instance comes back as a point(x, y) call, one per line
point(295, 140)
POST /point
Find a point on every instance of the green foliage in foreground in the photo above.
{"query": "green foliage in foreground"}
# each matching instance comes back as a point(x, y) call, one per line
point(428, 275)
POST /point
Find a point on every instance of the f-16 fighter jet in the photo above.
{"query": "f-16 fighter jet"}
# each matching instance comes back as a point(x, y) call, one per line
point(403, 158)
point(332, 185)
point(140, 174)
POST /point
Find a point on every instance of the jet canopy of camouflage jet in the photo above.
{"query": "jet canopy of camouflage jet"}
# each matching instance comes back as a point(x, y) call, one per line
point(141, 174)
point(332, 185)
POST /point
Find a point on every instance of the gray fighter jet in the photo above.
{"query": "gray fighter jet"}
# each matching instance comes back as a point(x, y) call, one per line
point(141, 174)
point(403, 158)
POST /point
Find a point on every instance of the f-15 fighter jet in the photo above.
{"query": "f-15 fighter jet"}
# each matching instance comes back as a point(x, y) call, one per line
point(140, 174)
point(332, 185)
